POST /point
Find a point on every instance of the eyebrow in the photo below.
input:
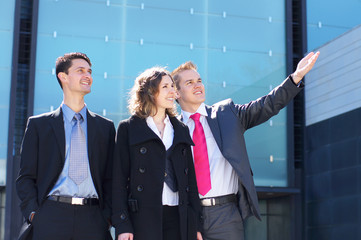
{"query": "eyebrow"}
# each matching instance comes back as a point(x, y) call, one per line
point(192, 80)
point(83, 68)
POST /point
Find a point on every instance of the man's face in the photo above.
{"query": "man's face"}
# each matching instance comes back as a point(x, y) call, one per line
point(191, 92)
point(79, 78)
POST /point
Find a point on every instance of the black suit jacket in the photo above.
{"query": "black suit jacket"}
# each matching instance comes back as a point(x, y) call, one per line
point(228, 123)
point(43, 157)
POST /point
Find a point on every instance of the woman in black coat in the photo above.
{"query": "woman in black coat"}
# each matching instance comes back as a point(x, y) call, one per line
point(155, 194)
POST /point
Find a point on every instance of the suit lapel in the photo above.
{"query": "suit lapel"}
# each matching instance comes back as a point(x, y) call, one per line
point(57, 124)
point(91, 132)
point(213, 124)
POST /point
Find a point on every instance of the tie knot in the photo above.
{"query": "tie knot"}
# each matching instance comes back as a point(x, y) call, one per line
point(195, 117)
point(78, 117)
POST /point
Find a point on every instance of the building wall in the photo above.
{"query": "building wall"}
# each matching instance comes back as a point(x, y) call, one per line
point(326, 20)
point(333, 141)
point(239, 47)
point(7, 9)
point(334, 85)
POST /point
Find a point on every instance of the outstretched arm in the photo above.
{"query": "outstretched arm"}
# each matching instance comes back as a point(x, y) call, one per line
point(304, 66)
point(262, 109)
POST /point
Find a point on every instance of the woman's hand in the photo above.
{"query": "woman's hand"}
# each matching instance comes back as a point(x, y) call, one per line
point(125, 236)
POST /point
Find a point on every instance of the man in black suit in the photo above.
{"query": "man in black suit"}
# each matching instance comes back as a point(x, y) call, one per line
point(64, 182)
point(231, 195)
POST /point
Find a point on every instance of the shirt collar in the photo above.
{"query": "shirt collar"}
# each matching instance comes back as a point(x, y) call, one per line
point(201, 110)
point(150, 120)
point(69, 113)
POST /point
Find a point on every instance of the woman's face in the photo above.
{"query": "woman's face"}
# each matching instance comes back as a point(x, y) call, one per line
point(166, 94)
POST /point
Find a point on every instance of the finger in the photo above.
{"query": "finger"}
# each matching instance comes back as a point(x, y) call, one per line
point(309, 55)
point(313, 60)
point(314, 57)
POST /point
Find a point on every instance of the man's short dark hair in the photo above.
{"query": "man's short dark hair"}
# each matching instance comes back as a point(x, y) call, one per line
point(63, 63)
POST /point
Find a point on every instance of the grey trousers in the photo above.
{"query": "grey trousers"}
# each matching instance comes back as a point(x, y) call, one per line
point(222, 222)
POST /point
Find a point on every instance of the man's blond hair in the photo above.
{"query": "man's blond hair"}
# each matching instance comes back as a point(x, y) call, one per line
point(183, 67)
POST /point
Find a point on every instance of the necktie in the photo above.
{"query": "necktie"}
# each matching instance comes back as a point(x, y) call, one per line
point(78, 159)
point(200, 154)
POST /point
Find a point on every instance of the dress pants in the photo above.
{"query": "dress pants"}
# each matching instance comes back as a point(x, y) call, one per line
point(222, 222)
point(171, 229)
point(62, 221)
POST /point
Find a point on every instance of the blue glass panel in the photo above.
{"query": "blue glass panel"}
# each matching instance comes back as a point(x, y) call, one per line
point(249, 77)
point(247, 35)
point(240, 55)
point(169, 6)
point(158, 26)
point(249, 9)
point(6, 39)
point(79, 19)
point(327, 20)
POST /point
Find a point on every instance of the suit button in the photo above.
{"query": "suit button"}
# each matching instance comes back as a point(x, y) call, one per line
point(143, 150)
point(142, 170)
point(184, 151)
point(122, 216)
point(165, 174)
point(187, 189)
point(140, 188)
point(186, 171)
point(181, 203)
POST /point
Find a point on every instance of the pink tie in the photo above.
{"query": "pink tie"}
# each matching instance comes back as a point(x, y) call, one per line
point(201, 163)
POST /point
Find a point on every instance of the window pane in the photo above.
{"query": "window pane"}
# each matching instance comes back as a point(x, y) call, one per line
point(239, 48)
point(6, 39)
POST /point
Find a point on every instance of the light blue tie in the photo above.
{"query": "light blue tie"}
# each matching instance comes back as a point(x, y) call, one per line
point(78, 160)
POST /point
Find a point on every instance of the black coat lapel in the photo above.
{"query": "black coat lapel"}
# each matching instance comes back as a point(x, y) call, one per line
point(181, 133)
point(140, 132)
point(213, 124)
point(57, 124)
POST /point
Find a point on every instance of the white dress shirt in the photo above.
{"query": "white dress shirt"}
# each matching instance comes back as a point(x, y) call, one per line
point(169, 197)
point(224, 179)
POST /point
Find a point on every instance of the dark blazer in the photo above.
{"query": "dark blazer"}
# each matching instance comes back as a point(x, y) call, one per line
point(228, 123)
point(43, 157)
point(139, 167)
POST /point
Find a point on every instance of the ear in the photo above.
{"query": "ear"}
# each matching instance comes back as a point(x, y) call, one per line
point(62, 76)
point(177, 95)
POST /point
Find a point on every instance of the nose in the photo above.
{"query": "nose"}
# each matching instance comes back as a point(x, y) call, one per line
point(198, 84)
point(88, 75)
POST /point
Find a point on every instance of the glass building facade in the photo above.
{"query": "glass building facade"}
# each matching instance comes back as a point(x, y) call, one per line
point(327, 20)
point(239, 48)
point(6, 39)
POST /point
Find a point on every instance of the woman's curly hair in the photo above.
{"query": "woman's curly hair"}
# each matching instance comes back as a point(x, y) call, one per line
point(145, 89)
